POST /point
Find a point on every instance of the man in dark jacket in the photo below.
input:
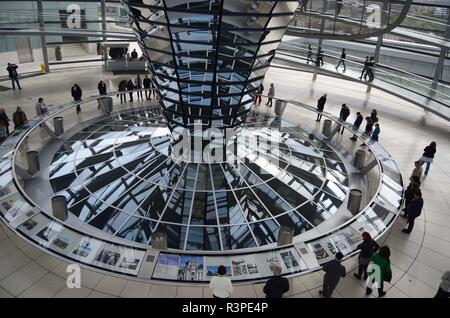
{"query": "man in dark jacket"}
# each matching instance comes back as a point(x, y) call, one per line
point(414, 210)
point(320, 106)
point(134, 55)
point(358, 121)
point(19, 118)
point(259, 92)
point(76, 94)
point(147, 82)
point(309, 55)
point(334, 270)
point(343, 115)
point(277, 285)
point(13, 75)
point(365, 68)
point(4, 120)
point(122, 89)
point(342, 60)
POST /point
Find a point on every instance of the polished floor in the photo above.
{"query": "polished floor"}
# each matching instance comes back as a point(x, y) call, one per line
point(418, 259)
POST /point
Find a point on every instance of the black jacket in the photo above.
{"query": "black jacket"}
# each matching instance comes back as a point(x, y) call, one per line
point(146, 82)
point(369, 126)
point(414, 209)
point(76, 94)
point(429, 152)
point(4, 118)
point(101, 89)
point(122, 85)
point(12, 70)
point(334, 270)
point(358, 120)
point(276, 287)
point(345, 112)
point(130, 86)
point(368, 248)
point(321, 103)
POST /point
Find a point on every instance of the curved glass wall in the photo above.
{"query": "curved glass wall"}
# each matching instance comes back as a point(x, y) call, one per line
point(354, 18)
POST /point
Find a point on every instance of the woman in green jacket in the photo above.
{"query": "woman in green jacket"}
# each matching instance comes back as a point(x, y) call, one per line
point(380, 271)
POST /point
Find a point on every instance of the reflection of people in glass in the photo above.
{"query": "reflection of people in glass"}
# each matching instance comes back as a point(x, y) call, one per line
point(310, 54)
point(303, 5)
point(339, 6)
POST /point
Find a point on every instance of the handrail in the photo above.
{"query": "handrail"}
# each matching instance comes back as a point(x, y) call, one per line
point(377, 68)
point(70, 105)
point(387, 225)
point(390, 26)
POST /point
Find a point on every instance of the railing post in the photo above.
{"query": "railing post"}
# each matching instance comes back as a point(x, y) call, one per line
point(33, 162)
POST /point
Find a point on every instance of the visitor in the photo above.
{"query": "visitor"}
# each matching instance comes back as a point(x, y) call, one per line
point(41, 107)
point(428, 155)
point(258, 97)
point(130, 88)
point(4, 120)
point(369, 126)
point(364, 70)
point(334, 270)
point(309, 55)
point(13, 75)
point(122, 88)
point(220, 285)
point(138, 86)
point(368, 247)
point(444, 287)
point(374, 116)
point(76, 94)
point(339, 5)
point(3, 134)
point(343, 115)
point(370, 67)
point(342, 61)
point(270, 95)
point(101, 88)
point(409, 195)
point(147, 83)
point(134, 55)
point(321, 106)
point(319, 61)
point(380, 271)
point(417, 172)
point(303, 5)
point(376, 132)
point(413, 211)
point(276, 286)
point(357, 124)
point(19, 118)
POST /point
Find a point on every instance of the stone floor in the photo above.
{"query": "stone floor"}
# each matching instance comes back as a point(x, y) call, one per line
point(418, 260)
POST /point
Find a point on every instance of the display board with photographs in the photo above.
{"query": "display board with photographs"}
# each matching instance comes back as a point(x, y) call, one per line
point(15, 209)
point(239, 267)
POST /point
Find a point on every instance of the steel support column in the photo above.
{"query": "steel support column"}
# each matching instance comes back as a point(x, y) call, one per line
point(43, 40)
point(440, 64)
point(379, 40)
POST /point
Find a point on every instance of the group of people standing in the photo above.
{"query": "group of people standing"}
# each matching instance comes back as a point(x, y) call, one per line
point(368, 67)
point(139, 84)
point(367, 70)
point(372, 128)
point(259, 93)
point(373, 264)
